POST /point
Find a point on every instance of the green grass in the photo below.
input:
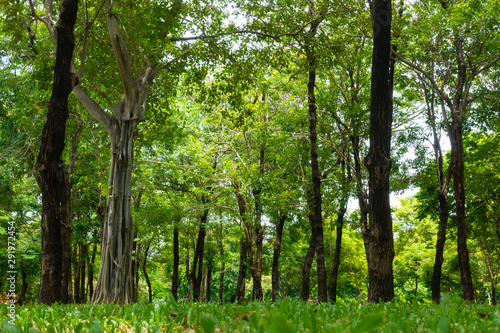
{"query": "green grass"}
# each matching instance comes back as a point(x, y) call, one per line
point(289, 315)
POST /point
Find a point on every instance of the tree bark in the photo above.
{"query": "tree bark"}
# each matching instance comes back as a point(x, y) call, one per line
point(457, 161)
point(146, 276)
point(209, 277)
point(52, 178)
point(332, 294)
point(240, 287)
point(83, 264)
point(197, 269)
point(24, 288)
point(175, 273)
point(378, 236)
point(91, 272)
point(76, 290)
point(275, 278)
point(306, 270)
point(223, 265)
point(316, 218)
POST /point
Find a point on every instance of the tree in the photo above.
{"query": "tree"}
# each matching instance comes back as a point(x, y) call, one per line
point(377, 234)
point(53, 180)
point(453, 80)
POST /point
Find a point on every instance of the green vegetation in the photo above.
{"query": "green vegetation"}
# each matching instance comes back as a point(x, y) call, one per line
point(287, 315)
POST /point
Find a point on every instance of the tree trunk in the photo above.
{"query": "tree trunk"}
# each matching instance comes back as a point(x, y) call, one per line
point(378, 236)
point(197, 269)
point(275, 278)
point(209, 277)
point(55, 276)
point(223, 265)
point(24, 288)
point(317, 244)
point(336, 257)
point(306, 270)
point(457, 161)
point(135, 281)
point(257, 269)
point(134, 267)
point(83, 264)
point(76, 290)
point(175, 273)
point(240, 287)
point(91, 272)
point(150, 290)
point(115, 279)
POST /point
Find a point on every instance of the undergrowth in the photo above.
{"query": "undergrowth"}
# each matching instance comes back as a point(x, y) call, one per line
point(288, 315)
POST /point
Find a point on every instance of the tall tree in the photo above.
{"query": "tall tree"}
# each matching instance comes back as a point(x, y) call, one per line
point(378, 234)
point(52, 178)
point(454, 84)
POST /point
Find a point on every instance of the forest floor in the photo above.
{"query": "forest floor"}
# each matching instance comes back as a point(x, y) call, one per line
point(288, 315)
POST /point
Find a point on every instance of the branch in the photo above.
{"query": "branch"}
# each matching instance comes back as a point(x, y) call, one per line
point(94, 109)
point(416, 68)
point(122, 60)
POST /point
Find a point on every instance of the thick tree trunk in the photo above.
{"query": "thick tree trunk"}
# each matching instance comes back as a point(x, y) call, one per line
point(53, 180)
point(275, 278)
point(378, 236)
point(240, 287)
point(146, 276)
point(115, 280)
point(175, 273)
point(332, 294)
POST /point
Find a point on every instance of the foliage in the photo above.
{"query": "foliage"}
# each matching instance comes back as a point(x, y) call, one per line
point(287, 315)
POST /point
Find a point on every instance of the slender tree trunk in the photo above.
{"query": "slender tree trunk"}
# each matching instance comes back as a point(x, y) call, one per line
point(275, 278)
point(209, 277)
point(52, 178)
point(336, 257)
point(144, 270)
point(487, 259)
point(24, 288)
point(306, 270)
point(240, 287)
point(77, 275)
point(197, 269)
point(378, 236)
point(91, 272)
point(83, 264)
point(175, 273)
point(223, 265)
point(135, 273)
point(317, 244)
point(190, 281)
point(134, 267)
point(457, 161)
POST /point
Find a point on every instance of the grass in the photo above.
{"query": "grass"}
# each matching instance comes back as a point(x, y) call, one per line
point(288, 315)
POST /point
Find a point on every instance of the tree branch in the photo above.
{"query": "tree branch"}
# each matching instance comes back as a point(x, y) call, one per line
point(94, 109)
